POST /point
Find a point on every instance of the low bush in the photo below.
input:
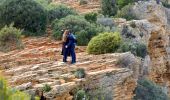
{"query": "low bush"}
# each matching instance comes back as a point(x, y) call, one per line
point(109, 7)
point(105, 21)
point(91, 17)
point(1, 1)
point(7, 93)
point(125, 61)
point(138, 49)
point(25, 14)
point(166, 4)
point(104, 43)
point(46, 88)
point(83, 30)
point(122, 3)
point(147, 90)
point(126, 12)
point(80, 73)
point(59, 11)
point(44, 3)
point(83, 2)
point(10, 38)
point(81, 95)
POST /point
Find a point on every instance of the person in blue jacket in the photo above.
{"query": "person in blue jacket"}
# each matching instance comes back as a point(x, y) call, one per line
point(70, 48)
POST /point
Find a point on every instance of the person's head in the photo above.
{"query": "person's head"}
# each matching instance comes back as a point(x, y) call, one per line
point(66, 33)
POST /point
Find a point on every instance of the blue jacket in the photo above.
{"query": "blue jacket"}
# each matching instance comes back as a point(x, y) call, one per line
point(71, 40)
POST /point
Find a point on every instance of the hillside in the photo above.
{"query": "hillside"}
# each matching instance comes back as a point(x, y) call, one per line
point(92, 6)
point(122, 51)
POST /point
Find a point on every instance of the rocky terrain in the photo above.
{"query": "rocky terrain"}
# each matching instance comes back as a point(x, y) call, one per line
point(40, 62)
point(92, 6)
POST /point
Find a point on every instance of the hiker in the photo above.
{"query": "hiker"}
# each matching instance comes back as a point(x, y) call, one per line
point(70, 46)
point(65, 51)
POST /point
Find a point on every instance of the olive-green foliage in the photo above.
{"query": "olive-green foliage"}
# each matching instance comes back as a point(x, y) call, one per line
point(126, 12)
point(83, 2)
point(122, 3)
point(7, 93)
point(26, 14)
point(80, 73)
point(81, 95)
point(44, 3)
point(147, 90)
point(104, 43)
point(1, 1)
point(138, 49)
point(46, 88)
point(166, 4)
point(91, 17)
point(59, 11)
point(10, 36)
point(83, 30)
point(109, 7)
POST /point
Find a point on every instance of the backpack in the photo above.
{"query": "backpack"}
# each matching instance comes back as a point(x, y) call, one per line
point(74, 37)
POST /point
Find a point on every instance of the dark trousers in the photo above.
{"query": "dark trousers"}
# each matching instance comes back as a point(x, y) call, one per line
point(70, 50)
point(65, 54)
point(73, 54)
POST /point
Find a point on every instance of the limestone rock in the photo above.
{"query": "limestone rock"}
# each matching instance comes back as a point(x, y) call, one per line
point(24, 86)
point(159, 39)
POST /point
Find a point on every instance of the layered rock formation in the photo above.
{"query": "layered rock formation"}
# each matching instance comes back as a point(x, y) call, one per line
point(40, 63)
point(153, 29)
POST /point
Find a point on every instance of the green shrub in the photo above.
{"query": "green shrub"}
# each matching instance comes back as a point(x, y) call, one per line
point(104, 43)
point(83, 2)
point(81, 95)
point(122, 3)
point(46, 88)
point(166, 4)
point(26, 14)
point(80, 73)
point(7, 93)
point(138, 49)
point(44, 3)
point(147, 90)
point(10, 38)
point(82, 29)
point(91, 17)
point(109, 7)
point(1, 1)
point(59, 11)
point(126, 12)
point(124, 61)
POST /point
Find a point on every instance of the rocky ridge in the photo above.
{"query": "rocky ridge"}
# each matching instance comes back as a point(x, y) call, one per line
point(40, 63)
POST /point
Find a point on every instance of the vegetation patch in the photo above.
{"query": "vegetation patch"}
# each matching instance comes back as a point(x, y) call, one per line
point(80, 73)
point(127, 13)
point(109, 7)
point(25, 14)
point(59, 11)
point(147, 90)
point(10, 38)
point(138, 49)
point(46, 88)
point(7, 93)
point(83, 2)
point(91, 17)
point(104, 43)
point(83, 29)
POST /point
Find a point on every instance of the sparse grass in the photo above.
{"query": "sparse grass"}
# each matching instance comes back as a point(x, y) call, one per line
point(46, 88)
point(7, 93)
point(83, 2)
point(10, 38)
point(80, 73)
